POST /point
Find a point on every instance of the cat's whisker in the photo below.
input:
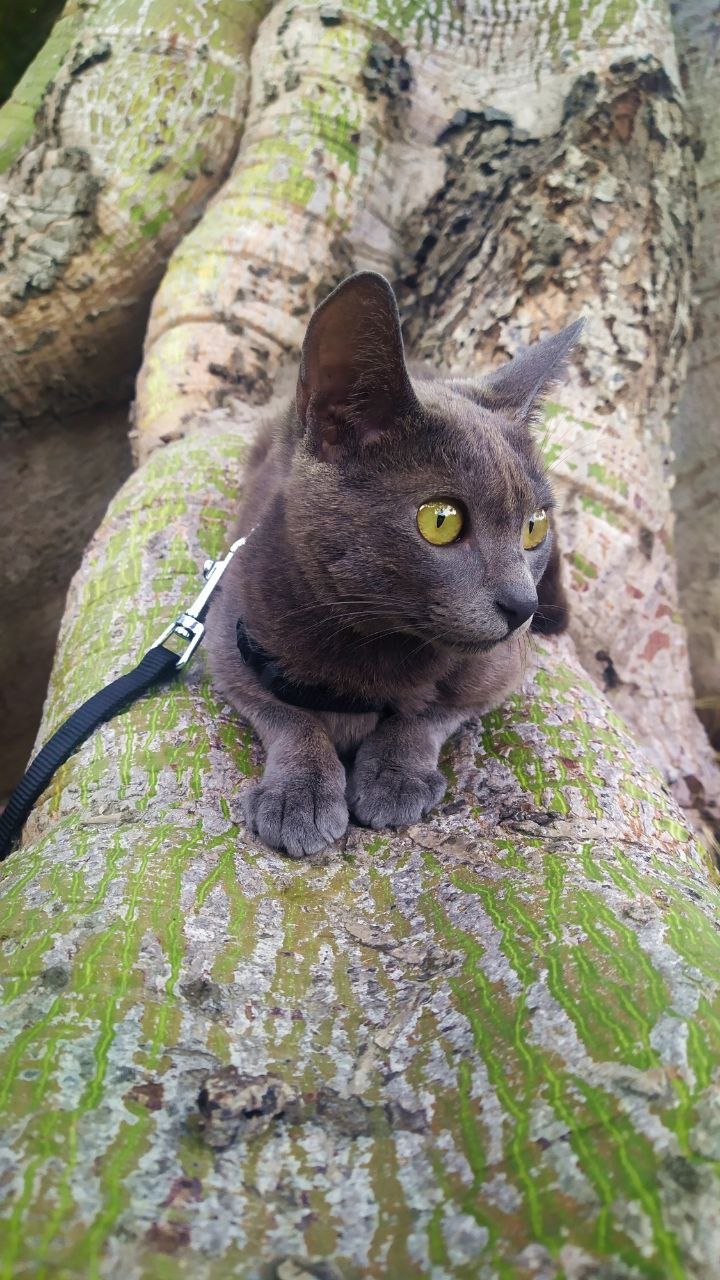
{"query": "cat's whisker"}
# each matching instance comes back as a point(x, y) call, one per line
point(327, 604)
point(344, 623)
point(383, 635)
point(335, 603)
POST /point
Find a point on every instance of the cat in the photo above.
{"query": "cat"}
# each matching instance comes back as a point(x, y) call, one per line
point(400, 542)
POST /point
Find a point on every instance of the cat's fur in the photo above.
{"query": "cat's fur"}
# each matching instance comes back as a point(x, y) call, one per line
point(339, 586)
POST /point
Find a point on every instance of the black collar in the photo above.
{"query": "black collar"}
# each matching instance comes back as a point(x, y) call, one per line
point(311, 697)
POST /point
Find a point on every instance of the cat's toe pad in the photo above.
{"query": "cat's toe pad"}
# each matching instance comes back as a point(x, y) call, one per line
point(382, 793)
point(299, 815)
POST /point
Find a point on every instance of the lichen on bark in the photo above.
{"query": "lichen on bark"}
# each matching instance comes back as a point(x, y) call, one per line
point(475, 1047)
point(483, 1047)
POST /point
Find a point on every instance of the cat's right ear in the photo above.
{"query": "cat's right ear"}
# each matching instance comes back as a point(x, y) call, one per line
point(516, 388)
point(353, 387)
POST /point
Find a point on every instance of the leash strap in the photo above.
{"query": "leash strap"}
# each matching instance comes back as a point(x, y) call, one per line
point(158, 664)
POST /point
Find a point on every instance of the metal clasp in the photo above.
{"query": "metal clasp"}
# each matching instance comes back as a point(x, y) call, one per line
point(189, 624)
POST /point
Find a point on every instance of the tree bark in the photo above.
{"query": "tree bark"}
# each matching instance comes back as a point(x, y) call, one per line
point(493, 1037)
point(483, 1047)
point(113, 141)
point(587, 204)
point(696, 435)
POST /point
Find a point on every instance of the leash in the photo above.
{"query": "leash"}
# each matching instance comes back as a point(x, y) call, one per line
point(158, 664)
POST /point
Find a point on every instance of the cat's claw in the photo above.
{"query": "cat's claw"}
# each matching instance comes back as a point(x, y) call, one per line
point(385, 793)
point(299, 815)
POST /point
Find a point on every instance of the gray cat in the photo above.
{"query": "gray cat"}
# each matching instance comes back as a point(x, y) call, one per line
point(400, 544)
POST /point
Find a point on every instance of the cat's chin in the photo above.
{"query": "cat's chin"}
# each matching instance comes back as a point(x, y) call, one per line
point(474, 646)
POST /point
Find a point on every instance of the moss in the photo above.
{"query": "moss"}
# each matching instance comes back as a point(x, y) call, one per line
point(606, 478)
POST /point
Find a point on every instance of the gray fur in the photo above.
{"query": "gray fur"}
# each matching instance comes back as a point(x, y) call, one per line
point(338, 585)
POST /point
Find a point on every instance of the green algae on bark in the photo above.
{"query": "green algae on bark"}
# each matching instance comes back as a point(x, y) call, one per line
point(498, 1031)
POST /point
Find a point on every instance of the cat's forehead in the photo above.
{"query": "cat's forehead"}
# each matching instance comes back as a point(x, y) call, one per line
point(473, 446)
point(456, 415)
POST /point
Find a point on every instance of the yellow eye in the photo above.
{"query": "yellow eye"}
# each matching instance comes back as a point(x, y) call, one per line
point(535, 530)
point(439, 522)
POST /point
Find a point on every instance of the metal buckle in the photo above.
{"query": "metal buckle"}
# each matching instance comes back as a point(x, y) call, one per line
point(190, 630)
point(188, 624)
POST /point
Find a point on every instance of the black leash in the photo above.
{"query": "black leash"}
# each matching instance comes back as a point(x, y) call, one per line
point(158, 664)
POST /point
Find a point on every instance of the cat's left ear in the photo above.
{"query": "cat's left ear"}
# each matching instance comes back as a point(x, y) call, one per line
point(353, 385)
point(516, 388)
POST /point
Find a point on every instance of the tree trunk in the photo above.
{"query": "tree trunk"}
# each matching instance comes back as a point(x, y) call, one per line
point(482, 1047)
point(696, 435)
point(113, 140)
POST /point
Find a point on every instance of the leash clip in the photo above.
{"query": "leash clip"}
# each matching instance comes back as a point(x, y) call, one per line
point(189, 624)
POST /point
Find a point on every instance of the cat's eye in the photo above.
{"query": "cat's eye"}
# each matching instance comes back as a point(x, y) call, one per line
point(440, 522)
point(535, 530)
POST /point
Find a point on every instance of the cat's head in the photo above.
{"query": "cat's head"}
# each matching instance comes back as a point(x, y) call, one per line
point(417, 505)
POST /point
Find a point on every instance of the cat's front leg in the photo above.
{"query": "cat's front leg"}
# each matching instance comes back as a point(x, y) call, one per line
point(395, 780)
point(299, 803)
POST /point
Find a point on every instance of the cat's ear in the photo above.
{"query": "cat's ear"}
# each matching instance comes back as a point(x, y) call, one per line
point(353, 385)
point(516, 388)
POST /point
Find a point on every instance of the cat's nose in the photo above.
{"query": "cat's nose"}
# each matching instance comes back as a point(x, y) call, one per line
point(516, 604)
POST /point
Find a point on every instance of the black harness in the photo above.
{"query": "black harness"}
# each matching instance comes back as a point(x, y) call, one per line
point(311, 697)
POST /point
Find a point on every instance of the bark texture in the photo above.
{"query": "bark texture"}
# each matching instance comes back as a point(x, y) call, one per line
point(486, 1046)
point(308, 198)
point(696, 430)
point(112, 141)
point(595, 214)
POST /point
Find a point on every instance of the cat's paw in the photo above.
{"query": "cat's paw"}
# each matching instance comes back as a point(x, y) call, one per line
point(299, 815)
point(385, 792)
